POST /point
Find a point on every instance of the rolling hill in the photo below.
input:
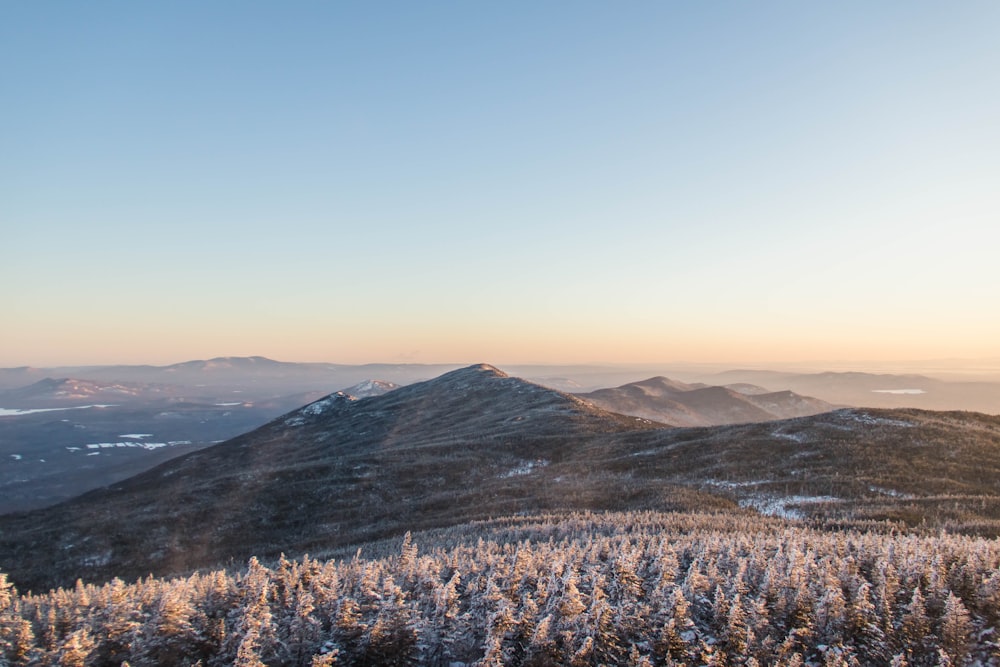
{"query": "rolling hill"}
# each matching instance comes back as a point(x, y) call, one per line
point(671, 402)
point(879, 390)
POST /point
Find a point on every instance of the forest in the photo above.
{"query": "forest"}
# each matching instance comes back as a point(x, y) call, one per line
point(636, 588)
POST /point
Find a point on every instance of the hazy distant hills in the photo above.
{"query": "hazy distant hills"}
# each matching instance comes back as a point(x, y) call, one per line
point(256, 376)
point(259, 377)
point(476, 443)
point(671, 402)
point(60, 437)
point(875, 389)
point(50, 390)
point(68, 392)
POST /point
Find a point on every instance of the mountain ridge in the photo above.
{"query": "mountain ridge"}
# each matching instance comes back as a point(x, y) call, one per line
point(476, 443)
point(682, 404)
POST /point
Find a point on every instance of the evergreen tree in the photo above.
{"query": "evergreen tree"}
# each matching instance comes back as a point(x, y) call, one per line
point(956, 629)
point(915, 629)
point(16, 635)
point(76, 649)
point(864, 629)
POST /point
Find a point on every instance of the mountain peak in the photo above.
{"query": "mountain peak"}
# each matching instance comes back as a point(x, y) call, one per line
point(476, 371)
point(369, 388)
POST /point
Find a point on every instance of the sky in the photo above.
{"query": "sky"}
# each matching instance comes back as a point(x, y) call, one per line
point(509, 182)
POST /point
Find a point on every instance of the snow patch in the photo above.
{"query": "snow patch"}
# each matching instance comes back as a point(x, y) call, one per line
point(17, 412)
point(149, 446)
point(871, 420)
point(890, 492)
point(324, 404)
point(783, 506)
point(645, 452)
point(136, 436)
point(736, 485)
point(16, 457)
point(318, 408)
point(524, 468)
point(898, 391)
point(97, 560)
point(370, 388)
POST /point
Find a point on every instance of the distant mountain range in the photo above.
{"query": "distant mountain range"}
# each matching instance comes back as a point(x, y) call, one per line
point(476, 443)
point(256, 376)
point(259, 378)
point(679, 404)
point(875, 389)
point(46, 456)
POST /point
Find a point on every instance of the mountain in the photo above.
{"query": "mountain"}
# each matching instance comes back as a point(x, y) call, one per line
point(258, 377)
point(786, 404)
point(50, 392)
point(681, 404)
point(875, 389)
point(22, 376)
point(263, 378)
point(746, 388)
point(462, 446)
point(475, 443)
point(369, 388)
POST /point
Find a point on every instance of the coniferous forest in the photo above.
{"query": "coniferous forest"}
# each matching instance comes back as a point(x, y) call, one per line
point(583, 589)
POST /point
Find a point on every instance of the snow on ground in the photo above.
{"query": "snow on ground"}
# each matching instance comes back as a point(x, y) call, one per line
point(524, 468)
point(322, 405)
point(226, 405)
point(736, 485)
point(136, 436)
point(795, 437)
point(135, 445)
point(890, 492)
point(317, 408)
point(898, 391)
point(871, 420)
point(16, 457)
point(17, 412)
point(646, 452)
point(783, 506)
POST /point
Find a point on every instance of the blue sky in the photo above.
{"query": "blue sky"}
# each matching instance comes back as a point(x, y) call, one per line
point(505, 182)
